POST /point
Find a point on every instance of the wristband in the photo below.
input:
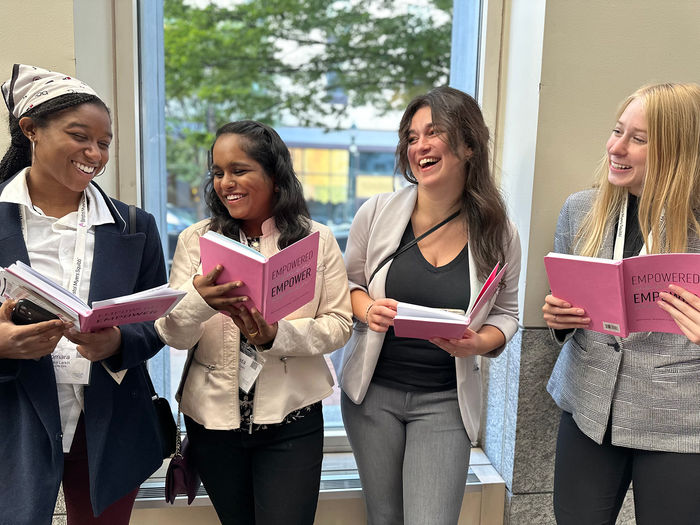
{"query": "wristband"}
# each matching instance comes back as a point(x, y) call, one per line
point(367, 312)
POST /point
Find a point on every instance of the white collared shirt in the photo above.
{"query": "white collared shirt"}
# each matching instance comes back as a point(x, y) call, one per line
point(51, 244)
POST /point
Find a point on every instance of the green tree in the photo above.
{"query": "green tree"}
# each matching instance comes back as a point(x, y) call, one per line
point(306, 62)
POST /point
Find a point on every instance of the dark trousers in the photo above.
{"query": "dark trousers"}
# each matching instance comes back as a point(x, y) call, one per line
point(590, 481)
point(269, 477)
point(76, 488)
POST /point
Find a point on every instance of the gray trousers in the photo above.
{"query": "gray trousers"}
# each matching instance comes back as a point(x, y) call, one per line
point(412, 454)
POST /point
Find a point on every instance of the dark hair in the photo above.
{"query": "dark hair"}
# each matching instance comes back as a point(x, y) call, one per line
point(19, 153)
point(264, 145)
point(458, 116)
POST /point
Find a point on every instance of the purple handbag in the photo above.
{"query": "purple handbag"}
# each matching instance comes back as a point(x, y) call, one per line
point(182, 476)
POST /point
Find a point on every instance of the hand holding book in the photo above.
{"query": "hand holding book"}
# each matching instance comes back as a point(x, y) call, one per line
point(560, 315)
point(684, 307)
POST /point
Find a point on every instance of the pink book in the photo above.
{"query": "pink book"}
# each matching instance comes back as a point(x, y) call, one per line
point(620, 296)
point(423, 322)
point(277, 285)
point(20, 281)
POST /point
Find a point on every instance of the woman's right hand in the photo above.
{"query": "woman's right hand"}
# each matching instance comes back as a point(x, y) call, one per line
point(30, 341)
point(214, 294)
point(560, 315)
point(381, 313)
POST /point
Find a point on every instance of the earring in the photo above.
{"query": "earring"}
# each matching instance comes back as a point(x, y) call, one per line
point(102, 171)
point(32, 147)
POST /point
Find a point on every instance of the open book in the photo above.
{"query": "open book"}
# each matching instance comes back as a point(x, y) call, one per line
point(620, 296)
point(20, 281)
point(276, 286)
point(423, 322)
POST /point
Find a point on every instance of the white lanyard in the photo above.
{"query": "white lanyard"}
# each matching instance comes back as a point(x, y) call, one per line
point(619, 244)
point(80, 241)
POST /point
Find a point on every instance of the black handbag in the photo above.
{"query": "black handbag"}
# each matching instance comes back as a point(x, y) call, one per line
point(167, 429)
point(182, 476)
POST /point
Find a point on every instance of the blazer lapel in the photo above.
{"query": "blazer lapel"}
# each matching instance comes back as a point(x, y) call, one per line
point(113, 274)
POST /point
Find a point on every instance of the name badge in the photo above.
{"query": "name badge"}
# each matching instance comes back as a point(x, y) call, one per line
point(250, 364)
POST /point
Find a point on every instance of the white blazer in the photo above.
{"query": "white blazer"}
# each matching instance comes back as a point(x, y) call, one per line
point(375, 234)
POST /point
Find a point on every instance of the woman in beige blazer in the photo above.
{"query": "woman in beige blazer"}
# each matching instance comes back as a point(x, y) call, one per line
point(631, 406)
point(257, 448)
point(411, 407)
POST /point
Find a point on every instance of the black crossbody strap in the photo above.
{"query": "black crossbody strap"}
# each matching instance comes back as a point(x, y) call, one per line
point(410, 244)
point(132, 218)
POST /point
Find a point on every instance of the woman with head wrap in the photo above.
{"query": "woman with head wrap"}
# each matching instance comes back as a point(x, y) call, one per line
point(75, 407)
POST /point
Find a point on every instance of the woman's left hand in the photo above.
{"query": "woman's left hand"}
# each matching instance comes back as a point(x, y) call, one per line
point(686, 312)
point(488, 338)
point(253, 326)
point(96, 346)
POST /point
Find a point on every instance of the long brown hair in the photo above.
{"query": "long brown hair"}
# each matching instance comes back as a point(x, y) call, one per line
point(459, 117)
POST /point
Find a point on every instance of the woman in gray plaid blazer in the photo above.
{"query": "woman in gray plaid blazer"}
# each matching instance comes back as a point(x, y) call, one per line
point(631, 407)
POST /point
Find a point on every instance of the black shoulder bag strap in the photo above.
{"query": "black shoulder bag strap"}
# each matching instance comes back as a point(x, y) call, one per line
point(132, 218)
point(405, 247)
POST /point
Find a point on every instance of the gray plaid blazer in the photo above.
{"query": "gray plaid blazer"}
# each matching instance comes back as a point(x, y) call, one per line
point(649, 389)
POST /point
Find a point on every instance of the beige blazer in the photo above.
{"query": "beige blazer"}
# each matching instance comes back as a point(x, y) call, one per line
point(375, 234)
point(295, 373)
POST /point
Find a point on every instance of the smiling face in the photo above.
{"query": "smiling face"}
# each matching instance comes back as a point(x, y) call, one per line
point(71, 149)
point(430, 158)
point(627, 149)
point(241, 184)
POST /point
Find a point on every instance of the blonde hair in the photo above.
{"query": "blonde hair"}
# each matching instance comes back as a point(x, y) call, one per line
point(670, 199)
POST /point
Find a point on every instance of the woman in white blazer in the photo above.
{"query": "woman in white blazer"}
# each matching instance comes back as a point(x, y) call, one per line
point(411, 407)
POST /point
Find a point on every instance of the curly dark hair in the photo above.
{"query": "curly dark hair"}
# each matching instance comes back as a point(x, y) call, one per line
point(264, 145)
point(19, 153)
point(459, 117)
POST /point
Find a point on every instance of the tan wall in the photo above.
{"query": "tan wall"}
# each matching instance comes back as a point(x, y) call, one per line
point(592, 54)
point(38, 33)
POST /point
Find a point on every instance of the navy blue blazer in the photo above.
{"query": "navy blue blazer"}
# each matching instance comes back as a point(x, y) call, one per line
point(122, 434)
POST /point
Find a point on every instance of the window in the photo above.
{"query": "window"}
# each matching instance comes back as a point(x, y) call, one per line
point(331, 77)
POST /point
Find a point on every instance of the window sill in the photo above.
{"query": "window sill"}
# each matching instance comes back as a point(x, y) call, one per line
point(339, 480)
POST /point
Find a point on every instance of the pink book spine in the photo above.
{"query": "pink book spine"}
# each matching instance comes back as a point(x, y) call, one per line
point(290, 278)
point(126, 313)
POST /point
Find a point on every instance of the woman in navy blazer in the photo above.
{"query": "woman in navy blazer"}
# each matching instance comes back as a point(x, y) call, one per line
point(117, 432)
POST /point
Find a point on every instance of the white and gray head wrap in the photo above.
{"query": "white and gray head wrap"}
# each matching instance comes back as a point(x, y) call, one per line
point(30, 86)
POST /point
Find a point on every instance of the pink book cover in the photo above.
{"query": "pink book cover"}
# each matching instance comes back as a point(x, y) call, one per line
point(276, 286)
point(647, 275)
point(138, 311)
point(426, 328)
point(620, 296)
point(422, 322)
point(592, 284)
point(20, 280)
